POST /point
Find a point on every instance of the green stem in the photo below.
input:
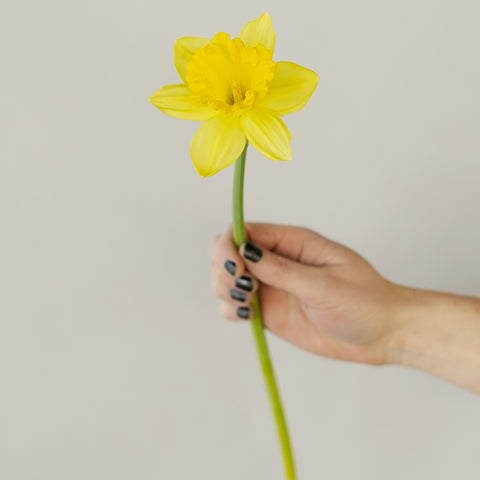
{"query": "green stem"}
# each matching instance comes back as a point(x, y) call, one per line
point(239, 237)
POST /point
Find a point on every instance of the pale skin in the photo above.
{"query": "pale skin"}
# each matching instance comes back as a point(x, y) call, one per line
point(325, 298)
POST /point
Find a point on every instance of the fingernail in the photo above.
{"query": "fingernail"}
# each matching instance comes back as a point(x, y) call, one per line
point(231, 267)
point(243, 312)
point(244, 283)
point(252, 252)
point(239, 296)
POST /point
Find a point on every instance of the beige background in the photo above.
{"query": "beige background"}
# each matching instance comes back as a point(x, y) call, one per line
point(115, 363)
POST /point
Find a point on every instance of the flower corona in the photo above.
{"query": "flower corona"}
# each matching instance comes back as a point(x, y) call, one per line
point(229, 76)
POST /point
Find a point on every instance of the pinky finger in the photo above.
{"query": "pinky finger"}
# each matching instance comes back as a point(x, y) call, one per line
point(234, 312)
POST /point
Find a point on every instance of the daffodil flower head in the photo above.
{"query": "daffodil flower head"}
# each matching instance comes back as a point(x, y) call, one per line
point(228, 76)
point(239, 93)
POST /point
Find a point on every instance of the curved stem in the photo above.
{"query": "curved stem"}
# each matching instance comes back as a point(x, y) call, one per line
point(239, 237)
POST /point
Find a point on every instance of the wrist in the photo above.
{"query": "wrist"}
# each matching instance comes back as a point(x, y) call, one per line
point(438, 333)
point(409, 308)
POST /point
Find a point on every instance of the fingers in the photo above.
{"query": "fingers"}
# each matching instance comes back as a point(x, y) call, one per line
point(234, 312)
point(284, 257)
point(297, 243)
point(224, 255)
point(238, 291)
point(281, 272)
point(236, 295)
point(231, 282)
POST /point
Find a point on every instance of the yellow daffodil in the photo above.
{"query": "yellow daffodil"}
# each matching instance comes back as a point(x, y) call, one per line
point(239, 93)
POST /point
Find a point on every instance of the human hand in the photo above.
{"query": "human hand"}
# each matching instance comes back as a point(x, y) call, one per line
point(314, 293)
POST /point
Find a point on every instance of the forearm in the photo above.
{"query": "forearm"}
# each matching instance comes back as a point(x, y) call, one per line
point(439, 334)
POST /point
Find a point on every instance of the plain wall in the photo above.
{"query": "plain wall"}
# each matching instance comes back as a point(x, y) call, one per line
point(114, 360)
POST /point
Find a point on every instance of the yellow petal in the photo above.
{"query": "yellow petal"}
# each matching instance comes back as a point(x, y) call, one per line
point(174, 100)
point(290, 90)
point(183, 49)
point(268, 134)
point(259, 31)
point(216, 145)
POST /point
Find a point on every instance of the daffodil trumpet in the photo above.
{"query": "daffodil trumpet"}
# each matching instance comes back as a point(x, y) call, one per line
point(239, 93)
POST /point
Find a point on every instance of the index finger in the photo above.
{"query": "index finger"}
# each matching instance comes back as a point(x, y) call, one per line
point(299, 244)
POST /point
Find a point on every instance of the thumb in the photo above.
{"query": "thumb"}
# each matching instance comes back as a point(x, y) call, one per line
point(277, 271)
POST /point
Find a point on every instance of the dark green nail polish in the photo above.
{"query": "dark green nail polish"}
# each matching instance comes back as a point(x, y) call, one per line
point(252, 252)
point(239, 296)
point(243, 312)
point(244, 283)
point(231, 267)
